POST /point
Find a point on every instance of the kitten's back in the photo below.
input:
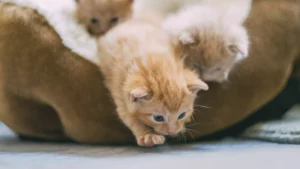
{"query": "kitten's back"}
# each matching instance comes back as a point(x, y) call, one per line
point(135, 36)
point(236, 10)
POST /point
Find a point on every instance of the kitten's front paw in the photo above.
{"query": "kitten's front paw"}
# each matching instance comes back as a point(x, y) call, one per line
point(149, 140)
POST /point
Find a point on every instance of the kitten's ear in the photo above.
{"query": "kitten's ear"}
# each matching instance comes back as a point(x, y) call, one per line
point(194, 83)
point(197, 85)
point(188, 38)
point(139, 94)
point(76, 1)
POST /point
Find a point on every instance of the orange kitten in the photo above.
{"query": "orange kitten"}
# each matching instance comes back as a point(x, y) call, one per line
point(153, 92)
point(98, 16)
point(212, 41)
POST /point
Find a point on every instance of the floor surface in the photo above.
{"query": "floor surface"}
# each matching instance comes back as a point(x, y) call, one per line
point(228, 153)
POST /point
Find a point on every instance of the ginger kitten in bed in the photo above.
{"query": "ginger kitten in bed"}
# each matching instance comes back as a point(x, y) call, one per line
point(211, 38)
point(153, 91)
point(98, 16)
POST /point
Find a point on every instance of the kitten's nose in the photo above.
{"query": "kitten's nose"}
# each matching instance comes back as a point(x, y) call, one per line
point(172, 131)
point(96, 32)
point(90, 30)
point(102, 32)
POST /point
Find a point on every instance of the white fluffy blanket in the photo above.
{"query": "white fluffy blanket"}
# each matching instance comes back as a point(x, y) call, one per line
point(61, 16)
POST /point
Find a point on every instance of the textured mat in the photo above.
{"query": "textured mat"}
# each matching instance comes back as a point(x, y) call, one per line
point(286, 130)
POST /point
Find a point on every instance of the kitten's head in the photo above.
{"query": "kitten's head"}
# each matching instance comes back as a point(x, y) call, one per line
point(98, 16)
point(213, 53)
point(164, 100)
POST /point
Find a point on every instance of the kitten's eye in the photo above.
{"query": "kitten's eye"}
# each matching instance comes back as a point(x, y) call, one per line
point(182, 115)
point(197, 67)
point(94, 21)
point(114, 20)
point(158, 118)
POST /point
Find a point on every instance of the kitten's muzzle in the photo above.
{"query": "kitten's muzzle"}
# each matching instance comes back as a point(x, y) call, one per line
point(95, 33)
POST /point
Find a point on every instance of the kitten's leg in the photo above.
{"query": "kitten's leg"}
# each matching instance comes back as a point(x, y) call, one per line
point(143, 134)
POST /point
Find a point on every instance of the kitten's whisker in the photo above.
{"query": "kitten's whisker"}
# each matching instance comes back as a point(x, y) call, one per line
point(183, 137)
point(179, 137)
point(202, 106)
point(193, 124)
point(191, 135)
point(198, 111)
point(193, 118)
point(196, 124)
point(191, 130)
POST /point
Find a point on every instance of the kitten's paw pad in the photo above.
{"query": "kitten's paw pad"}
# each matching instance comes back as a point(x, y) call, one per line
point(149, 140)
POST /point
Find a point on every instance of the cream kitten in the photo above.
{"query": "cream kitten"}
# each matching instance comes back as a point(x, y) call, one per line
point(98, 16)
point(211, 40)
point(153, 92)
